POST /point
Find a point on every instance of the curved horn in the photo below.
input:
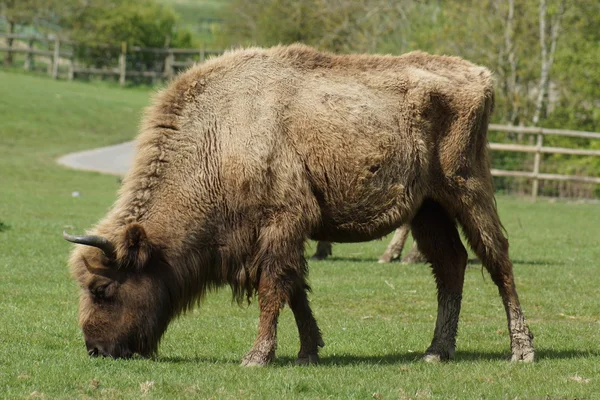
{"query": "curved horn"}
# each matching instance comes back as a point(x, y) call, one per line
point(91, 240)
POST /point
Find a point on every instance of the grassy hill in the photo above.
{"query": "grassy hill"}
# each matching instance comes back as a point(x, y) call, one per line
point(376, 319)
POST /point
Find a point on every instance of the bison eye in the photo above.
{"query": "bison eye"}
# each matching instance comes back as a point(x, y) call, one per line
point(102, 292)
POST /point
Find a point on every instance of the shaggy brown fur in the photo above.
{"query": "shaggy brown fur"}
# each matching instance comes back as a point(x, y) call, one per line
point(243, 158)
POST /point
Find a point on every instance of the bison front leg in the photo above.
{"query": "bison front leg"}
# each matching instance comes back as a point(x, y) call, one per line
point(438, 239)
point(271, 300)
point(282, 267)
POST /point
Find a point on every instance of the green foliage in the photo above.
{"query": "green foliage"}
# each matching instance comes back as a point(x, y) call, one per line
point(269, 22)
point(139, 23)
point(339, 25)
point(576, 72)
point(21, 11)
point(376, 319)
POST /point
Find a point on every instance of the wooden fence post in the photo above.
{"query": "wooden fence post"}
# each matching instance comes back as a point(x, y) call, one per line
point(8, 59)
point(56, 58)
point(536, 164)
point(71, 73)
point(29, 56)
point(123, 64)
point(169, 65)
point(202, 55)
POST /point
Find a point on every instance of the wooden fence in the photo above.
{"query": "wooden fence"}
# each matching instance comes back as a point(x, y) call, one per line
point(53, 53)
point(169, 59)
point(538, 149)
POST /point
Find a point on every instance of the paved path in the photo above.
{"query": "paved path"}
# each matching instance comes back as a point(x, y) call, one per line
point(113, 160)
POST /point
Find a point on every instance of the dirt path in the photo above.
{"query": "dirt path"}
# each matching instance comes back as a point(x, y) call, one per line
point(113, 160)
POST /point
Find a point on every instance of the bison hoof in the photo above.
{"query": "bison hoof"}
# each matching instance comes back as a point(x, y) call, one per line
point(522, 346)
point(256, 359)
point(254, 363)
point(432, 358)
point(311, 359)
point(436, 355)
point(384, 260)
point(523, 355)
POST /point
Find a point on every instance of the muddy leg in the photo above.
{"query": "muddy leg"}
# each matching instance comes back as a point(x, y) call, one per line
point(394, 249)
point(310, 335)
point(484, 232)
point(438, 239)
point(323, 251)
point(270, 302)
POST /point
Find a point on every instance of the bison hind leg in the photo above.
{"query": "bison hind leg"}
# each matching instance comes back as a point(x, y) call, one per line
point(483, 230)
point(437, 238)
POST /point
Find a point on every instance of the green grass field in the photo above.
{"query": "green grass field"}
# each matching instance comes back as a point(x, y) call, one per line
point(376, 319)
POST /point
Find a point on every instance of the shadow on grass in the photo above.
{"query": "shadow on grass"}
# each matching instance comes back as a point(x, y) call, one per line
point(344, 258)
point(471, 262)
point(537, 262)
point(391, 359)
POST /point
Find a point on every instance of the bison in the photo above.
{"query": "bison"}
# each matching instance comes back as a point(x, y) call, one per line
point(241, 159)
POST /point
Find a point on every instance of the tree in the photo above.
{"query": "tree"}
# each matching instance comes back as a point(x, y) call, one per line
point(337, 25)
point(548, 49)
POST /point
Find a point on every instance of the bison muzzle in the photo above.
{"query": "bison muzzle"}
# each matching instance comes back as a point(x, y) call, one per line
point(242, 159)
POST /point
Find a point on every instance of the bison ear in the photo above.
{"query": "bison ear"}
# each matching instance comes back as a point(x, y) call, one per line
point(134, 248)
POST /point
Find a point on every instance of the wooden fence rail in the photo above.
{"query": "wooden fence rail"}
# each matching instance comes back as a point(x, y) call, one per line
point(538, 149)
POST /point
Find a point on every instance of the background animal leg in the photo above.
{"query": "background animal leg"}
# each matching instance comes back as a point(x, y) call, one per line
point(484, 232)
point(414, 256)
point(323, 251)
point(310, 335)
point(394, 249)
point(438, 239)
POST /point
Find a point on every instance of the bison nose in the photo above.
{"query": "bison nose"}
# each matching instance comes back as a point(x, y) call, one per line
point(96, 349)
point(92, 349)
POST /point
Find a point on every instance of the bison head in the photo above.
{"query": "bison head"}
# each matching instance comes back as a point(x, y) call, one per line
point(124, 304)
